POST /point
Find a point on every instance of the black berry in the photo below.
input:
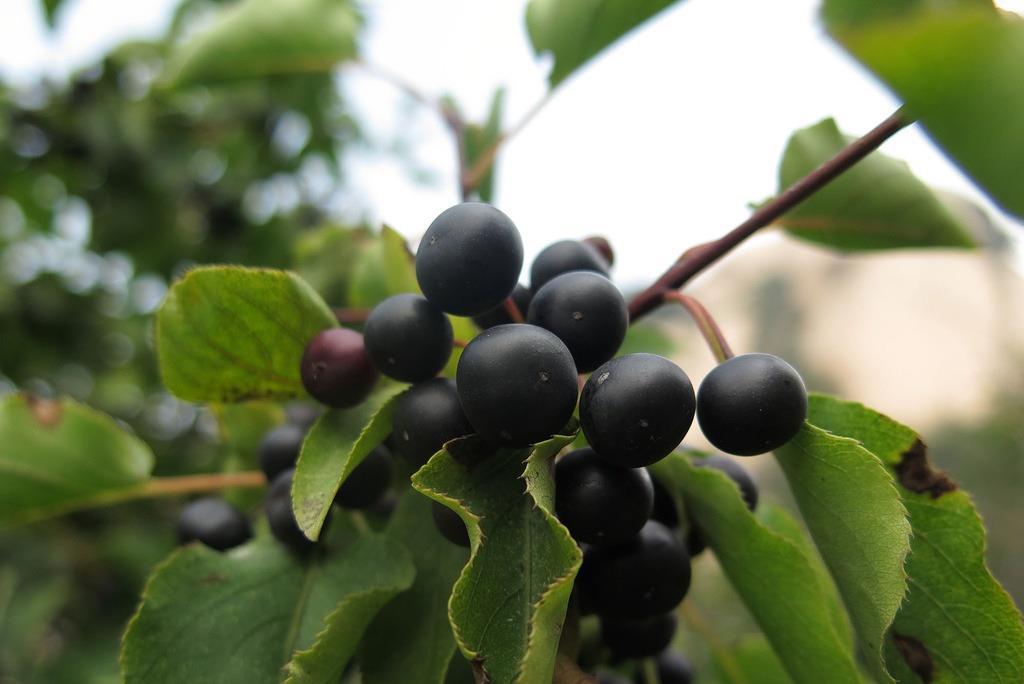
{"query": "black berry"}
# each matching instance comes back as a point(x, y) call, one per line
point(695, 541)
point(279, 449)
point(213, 522)
point(665, 510)
point(736, 472)
point(408, 338)
point(521, 296)
point(303, 414)
point(636, 409)
point(586, 311)
point(517, 384)
point(564, 256)
point(469, 259)
point(751, 404)
point(672, 669)
point(426, 416)
point(638, 638)
point(367, 483)
point(449, 524)
point(336, 370)
point(278, 506)
point(610, 678)
point(644, 577)
point(601, 503)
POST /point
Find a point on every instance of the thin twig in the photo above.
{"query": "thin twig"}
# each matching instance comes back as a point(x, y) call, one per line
point(512, 309)
point(696, 259)
point(348, 316)
point(706, 323)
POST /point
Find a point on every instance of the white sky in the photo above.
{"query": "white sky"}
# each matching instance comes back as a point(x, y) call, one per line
point(658, 144)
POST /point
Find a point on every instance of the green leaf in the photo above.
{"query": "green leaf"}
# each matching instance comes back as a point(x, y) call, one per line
point(477, 139)
point(419, 615)
point(239, 616)
point(259, 38)
point(50, 9)
point(647, 337)
point(385, 268)
point(574, 31)
point(958, 71)
point(754, 660)
point(846, 12)
point(242, 427)
point(877, 204)
point(327, 257)
point(59, 456)
point(854, 513)
point(335, 445)
point(956, 623)
point(226, 333)
point(775, 577)
point(508, 604)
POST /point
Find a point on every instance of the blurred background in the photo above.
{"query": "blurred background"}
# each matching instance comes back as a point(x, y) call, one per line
point(111, 186)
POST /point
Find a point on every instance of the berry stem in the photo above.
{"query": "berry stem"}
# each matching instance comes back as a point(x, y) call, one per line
point(461, 344)
point(696, 259)
point(650, 671)
point(512, 309)
point(179, 486)
point(706, 323)
point(347, 316)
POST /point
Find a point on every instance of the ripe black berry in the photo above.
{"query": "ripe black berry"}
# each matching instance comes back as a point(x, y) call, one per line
point(469, 259)
point(673, 668)
point(213, 522)
point(279, 449)
point(564, 256)
point(645, 576)
point(636, 409)
point(449, 524)
point(751, 404)
point(367, 483)
point(517, 384)
point(336, 370)
point(664, 510)
point(522, 296)
point(638, 638)
point(408, 338)
point(736, 472)
point(695, 541)
point(601, 503)
point(278, 506)
point(426, 416)
point(586, 311)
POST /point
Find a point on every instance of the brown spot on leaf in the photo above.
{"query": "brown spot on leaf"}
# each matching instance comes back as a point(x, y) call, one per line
point(916, 473)
point(212, 578)
point(916, 655)
point(46, 412)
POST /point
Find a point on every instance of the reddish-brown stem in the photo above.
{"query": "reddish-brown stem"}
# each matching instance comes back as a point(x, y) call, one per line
point(348, 316)
point(512, 309)
point(705, 323)
point(696, 259)
point(461, 344)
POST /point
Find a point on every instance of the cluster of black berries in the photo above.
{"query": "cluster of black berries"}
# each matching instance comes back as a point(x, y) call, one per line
point(221, 526)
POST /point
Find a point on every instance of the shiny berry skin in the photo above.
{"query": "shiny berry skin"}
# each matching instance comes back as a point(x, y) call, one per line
point(522, 296)
point(408, 338)
point(469, 259)
point(336, 370)
point(449, 524)
point(517, 384)
point(751, 404)
point(636, 409)
point(278, 506)
point(736, 472)
point(644, 577)
point(564, 256)
point(664, 510)
point(586, 311)
point(673, 668)
point(215, 523)
point(367, 483)
point(639, 638)
point(598, 502)
point(279, 449)
point(426, 416)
